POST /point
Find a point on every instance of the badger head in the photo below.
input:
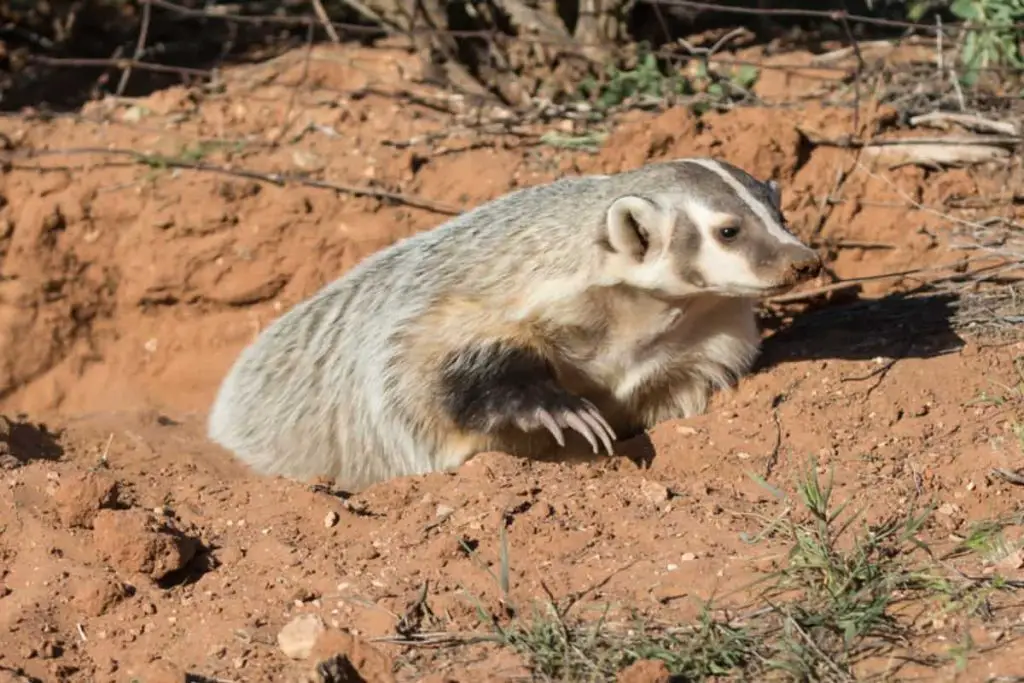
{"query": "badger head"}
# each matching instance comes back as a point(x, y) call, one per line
point(701, 226)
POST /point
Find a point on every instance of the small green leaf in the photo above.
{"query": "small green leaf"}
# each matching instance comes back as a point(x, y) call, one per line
point(965, 9)
point(746, 76)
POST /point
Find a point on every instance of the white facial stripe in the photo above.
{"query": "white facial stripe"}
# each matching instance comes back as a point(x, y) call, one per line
point(719, 266)
point(759, 209)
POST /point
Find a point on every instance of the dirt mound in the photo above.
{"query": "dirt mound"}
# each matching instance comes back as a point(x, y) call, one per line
point(134, 549)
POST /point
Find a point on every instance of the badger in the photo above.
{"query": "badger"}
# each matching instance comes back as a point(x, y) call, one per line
point(575, 313)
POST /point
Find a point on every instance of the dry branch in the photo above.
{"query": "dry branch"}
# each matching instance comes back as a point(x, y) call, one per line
point(942, 119)
point(895, 155)
point(279, 179)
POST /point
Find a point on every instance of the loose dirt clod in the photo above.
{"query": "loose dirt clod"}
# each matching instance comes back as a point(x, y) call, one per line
point(134, 541)
point(343, 658)
point(645, 671)
point(94, 596)
point(79, 500)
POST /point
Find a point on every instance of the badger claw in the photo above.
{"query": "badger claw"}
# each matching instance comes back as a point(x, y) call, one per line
point(584, 419)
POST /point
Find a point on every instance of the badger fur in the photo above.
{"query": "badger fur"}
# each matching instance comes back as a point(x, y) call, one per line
point(567, 314)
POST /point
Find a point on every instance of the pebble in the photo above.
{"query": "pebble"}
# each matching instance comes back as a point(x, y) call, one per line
point(654, 492)
point(297, 638)
point(331, 519)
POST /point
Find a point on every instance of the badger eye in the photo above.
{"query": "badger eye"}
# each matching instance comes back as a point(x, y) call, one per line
point(729, 232)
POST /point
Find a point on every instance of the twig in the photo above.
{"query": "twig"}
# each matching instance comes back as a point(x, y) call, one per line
point(860, 66)
point(916, 204)
point(853, 244)
point(409, 625)
point(826, 204)
point(119, 64)
point(799, 297)
point(829, 661)
point(81, 632)
point(844, 52)
point(880, 370)
point(140, 47)
point(1007, 475)
point(969, 121)
point(286, 123)
point(773, 457)
point(438, 522)
point(279, 179)
point(437, 639)
point(848, 283)
point(850, 142)
point(321, 14)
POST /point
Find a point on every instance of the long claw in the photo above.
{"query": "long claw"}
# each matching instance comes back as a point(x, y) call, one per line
point(602, 431)
point(606, 432)
point(552, 426)
point(577, 423)
point(596, 428)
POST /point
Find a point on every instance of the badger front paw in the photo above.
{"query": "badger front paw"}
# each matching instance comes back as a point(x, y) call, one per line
point(498, 385)
point(577, 414)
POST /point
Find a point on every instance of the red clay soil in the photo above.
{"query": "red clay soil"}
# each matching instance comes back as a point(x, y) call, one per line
point(133, 549)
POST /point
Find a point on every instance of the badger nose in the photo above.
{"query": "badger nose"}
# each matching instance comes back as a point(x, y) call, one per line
point(806, 268)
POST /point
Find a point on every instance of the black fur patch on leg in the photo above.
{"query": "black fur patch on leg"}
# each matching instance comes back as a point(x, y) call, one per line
point(492, 385)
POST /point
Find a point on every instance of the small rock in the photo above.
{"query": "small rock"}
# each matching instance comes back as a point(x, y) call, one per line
point(687, 557)
point(298, 638)
point(655, 492)
point(331, 519)
point(443, 510)
point(1011, 563)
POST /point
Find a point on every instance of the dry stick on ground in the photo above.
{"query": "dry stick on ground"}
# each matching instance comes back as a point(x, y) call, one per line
point(279, 179)
point(1009, 476)
point(286, 122)
point(859, 70)
point(120, 64)
point(325, 21)
point(916, 204)
point(140, 47)
point(854, 283)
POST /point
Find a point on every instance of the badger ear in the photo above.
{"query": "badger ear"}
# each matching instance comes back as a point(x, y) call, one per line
point(633, 226)
point(776, 194)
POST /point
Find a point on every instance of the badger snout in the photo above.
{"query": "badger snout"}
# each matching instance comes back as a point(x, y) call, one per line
point(802, 264)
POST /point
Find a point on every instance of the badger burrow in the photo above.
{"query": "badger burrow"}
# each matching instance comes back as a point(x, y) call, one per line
point(571, 314)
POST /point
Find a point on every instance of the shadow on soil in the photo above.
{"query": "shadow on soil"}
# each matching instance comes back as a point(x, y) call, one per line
point(896, 327)
point(21, 442)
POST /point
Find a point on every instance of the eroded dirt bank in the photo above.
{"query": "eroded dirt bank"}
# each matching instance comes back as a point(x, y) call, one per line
point(134, 550)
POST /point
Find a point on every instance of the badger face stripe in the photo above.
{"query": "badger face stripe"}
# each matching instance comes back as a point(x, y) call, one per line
point(757, 207)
